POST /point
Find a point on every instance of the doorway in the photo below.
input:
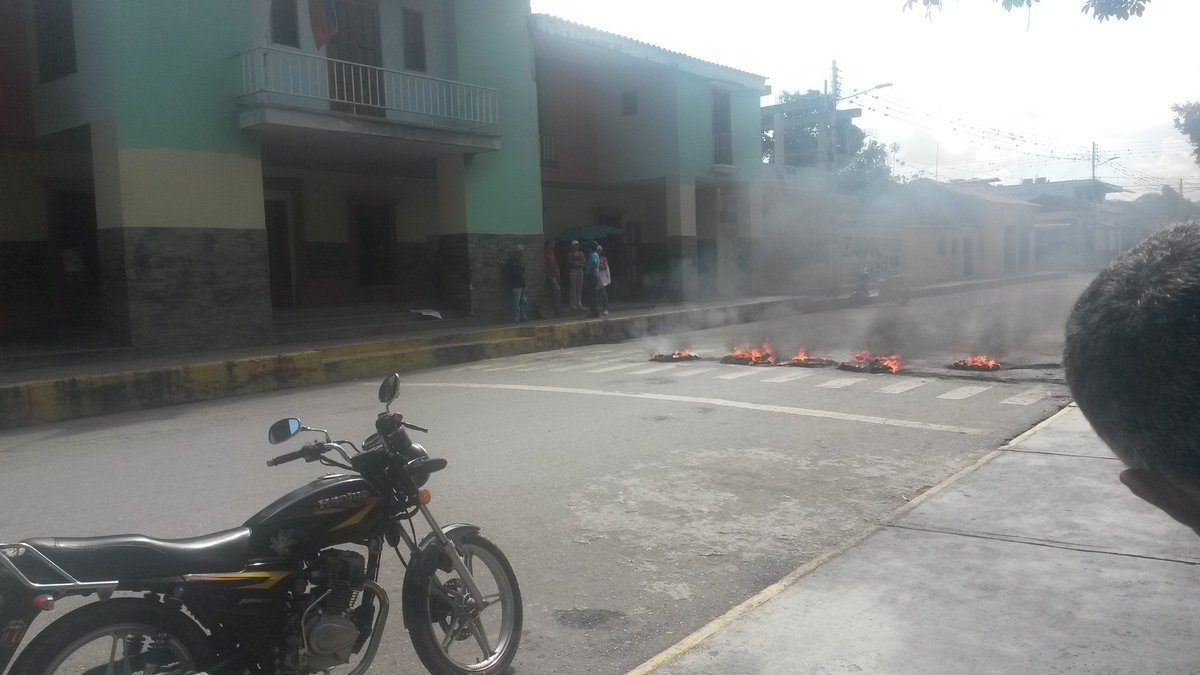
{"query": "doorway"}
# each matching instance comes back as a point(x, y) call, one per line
point(72, 216)
point(375, 239)
point(355, 80)
point(278, 206)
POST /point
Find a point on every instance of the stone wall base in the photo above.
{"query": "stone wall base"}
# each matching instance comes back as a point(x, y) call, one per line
point(171, 289)
point(472, 271)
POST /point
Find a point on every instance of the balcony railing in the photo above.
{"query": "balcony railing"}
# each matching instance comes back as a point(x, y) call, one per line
point(271, 75)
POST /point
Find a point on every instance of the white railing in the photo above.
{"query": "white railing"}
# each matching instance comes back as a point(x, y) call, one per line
point(366, 90)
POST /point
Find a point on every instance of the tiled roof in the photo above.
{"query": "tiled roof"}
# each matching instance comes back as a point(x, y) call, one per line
point(552, 25)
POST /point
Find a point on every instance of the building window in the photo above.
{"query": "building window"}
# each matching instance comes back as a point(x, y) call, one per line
point(414, 41)
point(285, 29)
point(54, 30)
point(629, 102)
point(722, 118)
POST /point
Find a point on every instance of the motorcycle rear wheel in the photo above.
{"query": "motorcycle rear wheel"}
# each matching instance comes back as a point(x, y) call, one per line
point(447, 634)
point(126, 635)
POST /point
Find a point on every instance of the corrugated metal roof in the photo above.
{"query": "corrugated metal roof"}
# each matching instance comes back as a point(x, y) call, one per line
point(553, 25)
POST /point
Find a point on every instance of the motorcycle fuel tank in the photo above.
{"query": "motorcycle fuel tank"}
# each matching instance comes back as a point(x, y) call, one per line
point(331, 510)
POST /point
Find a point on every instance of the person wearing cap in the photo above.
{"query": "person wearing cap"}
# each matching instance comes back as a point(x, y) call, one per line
point(575, 262)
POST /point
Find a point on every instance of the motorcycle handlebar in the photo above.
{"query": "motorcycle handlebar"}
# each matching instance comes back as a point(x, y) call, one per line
point(292, 456)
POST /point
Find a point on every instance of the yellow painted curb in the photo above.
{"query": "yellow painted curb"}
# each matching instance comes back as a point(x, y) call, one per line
point(691, 641)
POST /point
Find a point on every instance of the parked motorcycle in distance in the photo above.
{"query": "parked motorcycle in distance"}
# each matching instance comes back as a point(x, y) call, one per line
point(293, 590)
point(892, 288)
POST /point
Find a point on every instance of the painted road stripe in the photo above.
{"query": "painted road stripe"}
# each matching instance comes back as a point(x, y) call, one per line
point(654, 369)
point(498, 368)
point(965, 392)
point(742, 371)
point(693, 370)
point(743, 405)
point(797, 374)
point(609, 369)
point(1027, 397)
point(841, 382)
point(901, 387)
point(581, 366)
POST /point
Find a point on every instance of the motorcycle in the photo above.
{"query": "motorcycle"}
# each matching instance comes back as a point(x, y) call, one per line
point(281, 594)
point(894, 288)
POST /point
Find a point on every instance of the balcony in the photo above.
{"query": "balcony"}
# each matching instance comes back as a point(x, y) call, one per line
point(285, 91)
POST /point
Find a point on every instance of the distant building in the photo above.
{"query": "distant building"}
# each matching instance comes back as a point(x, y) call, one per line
point(1075, 229)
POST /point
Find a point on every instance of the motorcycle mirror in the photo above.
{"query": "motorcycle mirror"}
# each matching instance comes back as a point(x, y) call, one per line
point(389, 389)
point(283, 430)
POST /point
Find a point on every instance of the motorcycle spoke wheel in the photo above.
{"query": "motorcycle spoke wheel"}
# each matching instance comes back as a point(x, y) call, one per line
point(118, 637)
point(475, 635)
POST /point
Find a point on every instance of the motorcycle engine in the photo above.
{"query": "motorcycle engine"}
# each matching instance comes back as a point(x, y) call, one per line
point(332, 631)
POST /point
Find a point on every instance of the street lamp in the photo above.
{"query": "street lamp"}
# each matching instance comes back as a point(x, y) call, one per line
point(883, 85)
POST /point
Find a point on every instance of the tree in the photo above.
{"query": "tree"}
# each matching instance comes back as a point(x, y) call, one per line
point(1187, 121)
point(800, 133)
point(1100, 9)
point(869, 169)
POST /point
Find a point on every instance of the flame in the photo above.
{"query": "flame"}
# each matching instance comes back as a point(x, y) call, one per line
point(981, 361)
point(890, 363)
point(683, 354)
point(802, 356)
point(757, 356)
point(861, 359)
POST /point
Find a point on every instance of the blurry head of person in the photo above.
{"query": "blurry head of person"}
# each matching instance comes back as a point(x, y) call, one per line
point(574, 243)
point(1132, 361)
point(519, 251)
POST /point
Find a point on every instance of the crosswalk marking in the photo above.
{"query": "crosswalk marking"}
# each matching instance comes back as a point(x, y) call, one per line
point(965, 392)
point(901, 387)
point(583, 365)
point(654, 369)
point(841, 382)
point(609, 369)
point(1027, 397)
point(693, 370)
point(797, 374)
point(742, 371)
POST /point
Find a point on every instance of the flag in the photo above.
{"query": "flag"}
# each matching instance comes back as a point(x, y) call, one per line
point(323, 16)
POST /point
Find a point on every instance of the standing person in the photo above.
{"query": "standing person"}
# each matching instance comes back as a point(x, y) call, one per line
point(515, 271)
point(591, 279)
point(575, 263)
point(552, 284)
point(74, 271)
point(605, 281)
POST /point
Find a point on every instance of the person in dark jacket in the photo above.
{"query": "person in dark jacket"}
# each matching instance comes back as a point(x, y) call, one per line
point(515, 271)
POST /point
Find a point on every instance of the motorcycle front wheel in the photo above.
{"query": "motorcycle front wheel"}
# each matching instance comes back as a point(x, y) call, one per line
point(453, 635)
point(124, 635)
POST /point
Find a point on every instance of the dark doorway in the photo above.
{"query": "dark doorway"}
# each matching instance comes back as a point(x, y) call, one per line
point(375, 237)
point(355, 80)
point(968, 257)
point(279, 251)
point(72, 217)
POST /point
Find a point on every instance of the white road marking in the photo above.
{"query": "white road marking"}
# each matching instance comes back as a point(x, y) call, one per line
point(796, 374)
point(965, 392)
point(654, 369)
point(901, 387)
point(841, 382)
point(499, 368)
point(582, 365)
point(1027, 397)
point(742, 371)
point(609, 369)
point(783, 409)
point(693, 370)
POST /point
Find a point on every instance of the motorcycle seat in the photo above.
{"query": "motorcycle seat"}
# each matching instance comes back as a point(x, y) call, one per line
point(133, 556)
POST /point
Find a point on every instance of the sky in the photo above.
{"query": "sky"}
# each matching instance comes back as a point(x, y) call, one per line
point(976, 91)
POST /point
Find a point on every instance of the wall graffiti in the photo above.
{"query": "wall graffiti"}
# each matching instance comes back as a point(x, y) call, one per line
point(880, 254)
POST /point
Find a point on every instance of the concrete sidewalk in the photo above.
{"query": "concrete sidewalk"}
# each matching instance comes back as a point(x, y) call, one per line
point(1035, 560)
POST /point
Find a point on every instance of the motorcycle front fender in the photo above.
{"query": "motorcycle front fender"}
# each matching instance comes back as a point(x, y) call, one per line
point(428, 559)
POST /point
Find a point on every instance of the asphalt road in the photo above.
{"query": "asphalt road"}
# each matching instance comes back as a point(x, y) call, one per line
point(636, 501)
